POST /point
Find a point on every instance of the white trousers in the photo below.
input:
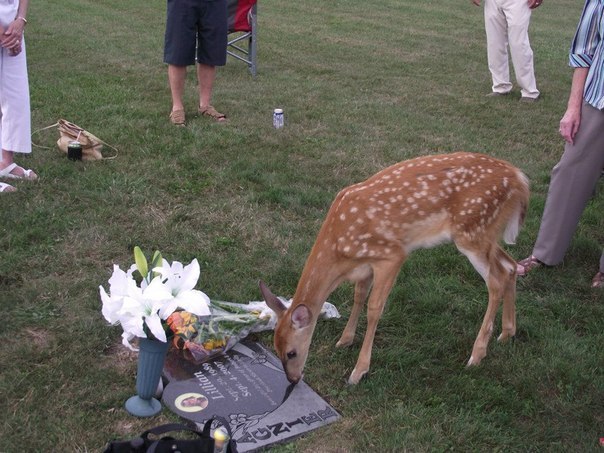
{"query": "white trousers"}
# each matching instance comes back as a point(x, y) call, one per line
point(15, 113)
point(506, 24)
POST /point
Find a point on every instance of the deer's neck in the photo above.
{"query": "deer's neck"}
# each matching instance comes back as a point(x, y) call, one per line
point(319, 278)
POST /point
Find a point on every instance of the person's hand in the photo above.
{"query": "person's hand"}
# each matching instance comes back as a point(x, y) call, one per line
point(14, 51)
point(476, 2)
point(569, 124)
point(534, 3)
point(13, 34)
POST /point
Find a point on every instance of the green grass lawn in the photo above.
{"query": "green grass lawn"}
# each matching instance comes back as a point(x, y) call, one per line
point(362, 86)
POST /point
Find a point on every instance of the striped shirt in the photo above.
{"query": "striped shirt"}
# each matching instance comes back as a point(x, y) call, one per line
point(587, 51)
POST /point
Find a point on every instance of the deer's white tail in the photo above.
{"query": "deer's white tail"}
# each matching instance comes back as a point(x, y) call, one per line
point(517, 220)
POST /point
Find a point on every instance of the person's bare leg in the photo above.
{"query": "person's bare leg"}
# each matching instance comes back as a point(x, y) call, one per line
point(176, 79)
point(8, 158)
point(205, 78)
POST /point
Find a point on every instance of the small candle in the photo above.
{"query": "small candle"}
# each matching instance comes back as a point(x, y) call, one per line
point(220, 439)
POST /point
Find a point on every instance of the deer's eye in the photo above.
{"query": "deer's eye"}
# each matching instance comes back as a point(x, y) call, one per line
point(291, 354)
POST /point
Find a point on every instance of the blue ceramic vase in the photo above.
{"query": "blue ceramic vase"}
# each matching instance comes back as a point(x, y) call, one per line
point(151, 358)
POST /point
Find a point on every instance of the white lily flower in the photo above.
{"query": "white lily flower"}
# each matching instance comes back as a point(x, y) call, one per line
point(156, 290)
point(138, 313)
point(142, 309)
point(121, 284)
point(111, 306)
point(180, 281)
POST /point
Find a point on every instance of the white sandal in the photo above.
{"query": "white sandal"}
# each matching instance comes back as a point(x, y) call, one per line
point(598, 280)
point(27, 174)
point(6, 187)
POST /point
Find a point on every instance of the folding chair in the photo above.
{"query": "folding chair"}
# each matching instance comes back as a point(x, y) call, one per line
point(243, 25)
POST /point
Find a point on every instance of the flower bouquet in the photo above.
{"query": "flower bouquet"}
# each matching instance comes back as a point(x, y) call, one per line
point(203, 337)
point(142, 298)
point(206, 336)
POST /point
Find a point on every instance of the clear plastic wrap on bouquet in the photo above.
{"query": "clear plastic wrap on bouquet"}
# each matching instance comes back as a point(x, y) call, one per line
point(207, 336)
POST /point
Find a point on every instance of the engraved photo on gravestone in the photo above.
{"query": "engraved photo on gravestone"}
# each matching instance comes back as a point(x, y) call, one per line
point(248, 387)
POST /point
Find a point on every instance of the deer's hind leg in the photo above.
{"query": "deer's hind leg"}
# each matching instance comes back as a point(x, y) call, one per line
point(486, 262)
point(508, 318)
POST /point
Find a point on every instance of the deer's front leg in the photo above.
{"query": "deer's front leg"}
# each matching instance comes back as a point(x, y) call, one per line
point(385, 276)
point(361, 290)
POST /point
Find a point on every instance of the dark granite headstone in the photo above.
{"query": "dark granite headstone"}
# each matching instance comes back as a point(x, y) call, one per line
point(248, 387)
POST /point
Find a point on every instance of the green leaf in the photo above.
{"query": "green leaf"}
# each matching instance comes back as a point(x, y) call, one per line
point(141, 261)
point(156, 262)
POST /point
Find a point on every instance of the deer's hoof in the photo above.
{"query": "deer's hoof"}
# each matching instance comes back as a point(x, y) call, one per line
point(356, 376)
point(342, 343)
point(474, 361)
point(505, 336)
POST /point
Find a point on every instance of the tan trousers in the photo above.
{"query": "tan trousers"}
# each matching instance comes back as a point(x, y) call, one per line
point(571, 186)
point(506, 24)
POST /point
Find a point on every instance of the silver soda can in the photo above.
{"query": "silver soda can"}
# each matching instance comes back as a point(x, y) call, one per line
point(278, 118)
point(74, 150)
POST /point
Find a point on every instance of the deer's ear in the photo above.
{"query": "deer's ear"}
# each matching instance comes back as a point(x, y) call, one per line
point(271, 300)
point(301, 317)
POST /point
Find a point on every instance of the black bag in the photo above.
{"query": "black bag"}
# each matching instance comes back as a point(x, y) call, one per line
point(203, 444)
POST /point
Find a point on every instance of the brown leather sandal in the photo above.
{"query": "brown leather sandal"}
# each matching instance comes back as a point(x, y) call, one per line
point(212, 113)
point(598, 280)
point(177, 117)
point(526, 265)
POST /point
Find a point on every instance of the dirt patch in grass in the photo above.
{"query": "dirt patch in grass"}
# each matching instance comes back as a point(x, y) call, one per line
point(119, 358)
point(41, 338)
